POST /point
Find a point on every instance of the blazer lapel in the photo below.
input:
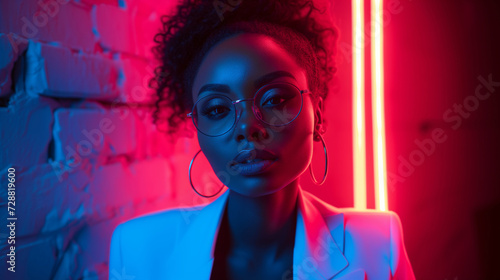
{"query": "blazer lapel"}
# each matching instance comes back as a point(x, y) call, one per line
point(318, 249)
point(193, 255)
point(317, 255)
point(358, 274)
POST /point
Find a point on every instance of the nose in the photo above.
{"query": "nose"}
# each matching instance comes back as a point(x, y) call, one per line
point(248, 126)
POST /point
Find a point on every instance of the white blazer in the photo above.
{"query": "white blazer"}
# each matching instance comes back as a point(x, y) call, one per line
point(330, 243)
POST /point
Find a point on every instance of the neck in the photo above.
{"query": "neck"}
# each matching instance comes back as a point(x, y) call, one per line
point(265, 223)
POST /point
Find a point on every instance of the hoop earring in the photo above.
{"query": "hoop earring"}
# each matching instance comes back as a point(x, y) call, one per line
point(326, 164)
point(191, 182)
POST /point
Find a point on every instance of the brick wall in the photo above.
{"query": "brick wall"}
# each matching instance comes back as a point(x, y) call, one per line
point(75, 124)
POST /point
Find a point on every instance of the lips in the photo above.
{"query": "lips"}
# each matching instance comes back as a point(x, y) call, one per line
point(252, 162)
point(250, 156)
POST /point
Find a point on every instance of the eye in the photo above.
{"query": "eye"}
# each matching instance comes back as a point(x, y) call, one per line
point(214, 107)
point(215, 111)
point(274, 100)
point(275, 97)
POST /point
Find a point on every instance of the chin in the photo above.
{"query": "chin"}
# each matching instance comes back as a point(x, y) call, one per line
point(254, 186)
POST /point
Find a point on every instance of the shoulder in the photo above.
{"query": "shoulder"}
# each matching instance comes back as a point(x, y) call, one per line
point(371, 230)
point(355, 219)
point(369, 233)
point(152, 235)
point(167, 223)
point(370, 220)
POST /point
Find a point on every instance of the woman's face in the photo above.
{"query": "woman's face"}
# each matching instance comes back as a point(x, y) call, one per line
point(280, 154)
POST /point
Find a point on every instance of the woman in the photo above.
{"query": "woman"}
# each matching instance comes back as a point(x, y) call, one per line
point(253, 76)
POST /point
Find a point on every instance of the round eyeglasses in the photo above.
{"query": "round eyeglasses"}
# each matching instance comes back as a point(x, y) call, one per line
point(275, 104)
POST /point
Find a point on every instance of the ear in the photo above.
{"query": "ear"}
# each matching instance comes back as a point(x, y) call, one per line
point(319, 122)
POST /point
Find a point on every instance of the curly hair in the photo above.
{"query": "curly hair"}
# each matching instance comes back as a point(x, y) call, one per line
point(197, 25)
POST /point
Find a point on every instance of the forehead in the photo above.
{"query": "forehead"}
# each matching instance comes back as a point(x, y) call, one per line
point(240, 60)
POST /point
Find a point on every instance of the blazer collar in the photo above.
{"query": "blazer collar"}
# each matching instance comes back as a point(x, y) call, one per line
point(317, 254)
point(318, 250)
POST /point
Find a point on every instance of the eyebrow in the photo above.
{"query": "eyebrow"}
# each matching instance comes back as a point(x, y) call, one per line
point(257, 84)
point(271, 76)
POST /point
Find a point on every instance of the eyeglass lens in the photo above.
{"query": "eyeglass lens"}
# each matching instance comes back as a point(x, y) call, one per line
point(275, 105)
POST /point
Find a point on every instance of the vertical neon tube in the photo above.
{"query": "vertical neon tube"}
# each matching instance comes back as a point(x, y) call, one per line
point(378, 119)
point(359, 150)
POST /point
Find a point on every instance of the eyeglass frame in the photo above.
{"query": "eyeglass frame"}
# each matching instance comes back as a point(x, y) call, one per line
point(238, 116)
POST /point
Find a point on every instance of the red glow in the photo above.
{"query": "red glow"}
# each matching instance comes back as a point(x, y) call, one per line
point(359, 149)
point(378, 120)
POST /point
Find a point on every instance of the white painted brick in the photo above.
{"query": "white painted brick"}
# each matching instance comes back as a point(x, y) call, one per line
point(56, 71)
point(147, 22)
point(115, 28)
point(98, 2)
point(92, 261)
point(96, 239)
point(119, 184)
point(39, 255)
point(46, 202)
point(132, 29)
point(67, 267)
point(49, 205)
point(161, 6)
point(81, 134)
point(11, 47)
point(134, 87)
point(149, 135)
point(26, 130)
point(142, 132)
point(61, 21)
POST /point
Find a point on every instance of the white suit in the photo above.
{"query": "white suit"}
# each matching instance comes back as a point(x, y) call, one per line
point(330, 243)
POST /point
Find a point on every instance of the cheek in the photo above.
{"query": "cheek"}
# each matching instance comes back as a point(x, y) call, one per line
point(296, 141)
point(208, 147)
point(217, 153)
point(304, 124)
point(305, 127)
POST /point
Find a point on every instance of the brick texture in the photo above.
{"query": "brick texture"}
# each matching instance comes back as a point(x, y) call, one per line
point(84, 133)
point(76, 124)
point(58, 21)
point(134, 83)
point(25, 130)
point(11, 46)
point(115, 28)
point(58, 72)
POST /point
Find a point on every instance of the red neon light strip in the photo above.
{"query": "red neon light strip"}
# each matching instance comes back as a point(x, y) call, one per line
point(378, 119)
point(359, 147)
